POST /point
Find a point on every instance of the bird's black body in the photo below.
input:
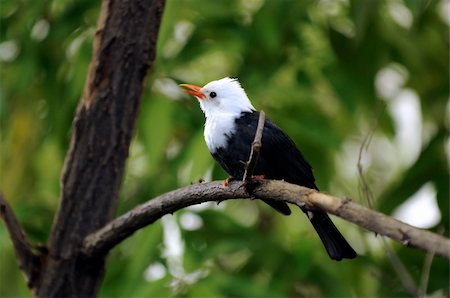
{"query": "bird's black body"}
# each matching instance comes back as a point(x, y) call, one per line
point(279, 159)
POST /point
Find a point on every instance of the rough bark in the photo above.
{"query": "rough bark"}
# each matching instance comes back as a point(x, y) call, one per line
point(124, 49)
point(73, 262)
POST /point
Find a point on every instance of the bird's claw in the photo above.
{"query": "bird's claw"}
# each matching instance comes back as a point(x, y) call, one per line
point(257, 178)
point(227, 181)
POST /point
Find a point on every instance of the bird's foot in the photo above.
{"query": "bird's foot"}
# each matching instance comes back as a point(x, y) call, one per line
point(252, 183)
point(257, 178)
point(227, 181)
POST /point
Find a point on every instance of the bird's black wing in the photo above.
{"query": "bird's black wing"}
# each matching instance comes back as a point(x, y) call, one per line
point(233, 158)
point(281, 159)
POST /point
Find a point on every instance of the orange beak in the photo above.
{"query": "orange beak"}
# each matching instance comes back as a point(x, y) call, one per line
point(193, 90)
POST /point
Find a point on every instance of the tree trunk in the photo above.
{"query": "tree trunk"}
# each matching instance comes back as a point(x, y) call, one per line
point(124, 49)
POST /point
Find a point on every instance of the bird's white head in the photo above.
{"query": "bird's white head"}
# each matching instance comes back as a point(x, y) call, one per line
point(224, 96)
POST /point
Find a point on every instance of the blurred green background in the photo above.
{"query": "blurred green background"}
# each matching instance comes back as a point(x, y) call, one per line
point(331, 73)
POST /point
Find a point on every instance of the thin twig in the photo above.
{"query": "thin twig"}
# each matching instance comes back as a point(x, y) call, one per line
point(29, 262)
point(364, 186)
point(403, 274)
point(256, 147)
point(424, 277)
point(101, 241)
point(425, 274)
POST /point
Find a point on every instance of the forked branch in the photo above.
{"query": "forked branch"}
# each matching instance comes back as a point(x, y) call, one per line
point(113, 233)
point(124, 226)
point(29, 262)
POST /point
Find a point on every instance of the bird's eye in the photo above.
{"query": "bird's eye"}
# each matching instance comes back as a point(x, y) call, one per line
point(213, 94)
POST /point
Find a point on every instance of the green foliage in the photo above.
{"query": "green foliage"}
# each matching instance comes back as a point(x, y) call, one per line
point(314, 67)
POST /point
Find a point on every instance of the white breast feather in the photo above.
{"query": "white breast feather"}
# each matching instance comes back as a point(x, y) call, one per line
point(218, 129)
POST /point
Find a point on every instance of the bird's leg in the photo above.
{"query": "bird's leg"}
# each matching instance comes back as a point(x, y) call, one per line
point(228, 180)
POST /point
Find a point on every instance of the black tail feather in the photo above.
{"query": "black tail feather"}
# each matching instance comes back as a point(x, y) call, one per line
point(280, 206)
point(335, 244)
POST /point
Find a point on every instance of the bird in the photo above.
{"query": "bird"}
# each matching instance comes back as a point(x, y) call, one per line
point(230, 126)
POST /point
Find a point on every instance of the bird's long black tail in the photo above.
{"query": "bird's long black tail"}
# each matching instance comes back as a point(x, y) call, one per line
point(335, 244)
point(281, 207)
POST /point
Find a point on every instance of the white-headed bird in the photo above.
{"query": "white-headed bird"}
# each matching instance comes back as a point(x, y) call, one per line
point(231, 122)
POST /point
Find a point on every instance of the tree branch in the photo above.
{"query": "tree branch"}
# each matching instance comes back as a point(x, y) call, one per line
point(256, 147)
point(117, 230)
point(29, 262)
